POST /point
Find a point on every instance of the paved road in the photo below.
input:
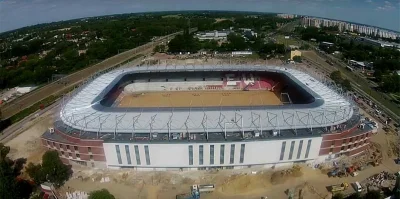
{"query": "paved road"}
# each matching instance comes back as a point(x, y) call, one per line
point(73, 79)
point(17, 128)
point(320, 62)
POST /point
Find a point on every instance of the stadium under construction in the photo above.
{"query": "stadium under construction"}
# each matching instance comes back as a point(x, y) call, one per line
point(206, 117)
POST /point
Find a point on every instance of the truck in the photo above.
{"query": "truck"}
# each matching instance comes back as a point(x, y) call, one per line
point(337, 173)
point(339, 187)
point(204, 188)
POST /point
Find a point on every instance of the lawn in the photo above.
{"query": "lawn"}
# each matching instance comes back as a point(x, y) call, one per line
point(281, 40)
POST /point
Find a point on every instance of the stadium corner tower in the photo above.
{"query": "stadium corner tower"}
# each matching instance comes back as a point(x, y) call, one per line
point(205, 117)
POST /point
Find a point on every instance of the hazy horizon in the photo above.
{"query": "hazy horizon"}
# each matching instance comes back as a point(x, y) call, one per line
point(17, 14)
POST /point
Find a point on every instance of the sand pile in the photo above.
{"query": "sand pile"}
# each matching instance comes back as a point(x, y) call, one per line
point(279, 177)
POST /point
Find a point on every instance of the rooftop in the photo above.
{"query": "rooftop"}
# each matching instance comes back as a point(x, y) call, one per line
point(174, 137)
point(83, 110)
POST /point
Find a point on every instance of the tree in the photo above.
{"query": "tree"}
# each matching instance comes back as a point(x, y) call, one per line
point(297, 59)
point(391, 83)
point(35, 172)
point(373, 194)
point(55, 170)
point(101, 194)
point(159, 49)
point(396, 189)
point(52, 169)
point(346, 84)
point(354, 196)
point(12, 187)
point(236, 42)
point(336, 76)
point(338, 196)
point(378, 75)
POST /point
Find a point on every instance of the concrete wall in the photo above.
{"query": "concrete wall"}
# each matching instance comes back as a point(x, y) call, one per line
point(177, 155)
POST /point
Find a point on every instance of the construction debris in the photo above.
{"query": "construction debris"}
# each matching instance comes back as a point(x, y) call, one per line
point(380, 180)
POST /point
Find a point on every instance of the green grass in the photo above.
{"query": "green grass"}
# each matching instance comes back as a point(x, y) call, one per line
point(281, 40)
point(395, 96)
point(24, 113)
point(253, 56)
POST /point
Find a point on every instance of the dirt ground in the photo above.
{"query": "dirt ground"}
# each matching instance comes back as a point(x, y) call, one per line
point(28, 144)
point(199, 98)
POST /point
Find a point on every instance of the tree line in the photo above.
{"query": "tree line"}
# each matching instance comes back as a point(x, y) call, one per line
point(107, 36)
point(385, 60)
point(51, 169)
point(235, 42)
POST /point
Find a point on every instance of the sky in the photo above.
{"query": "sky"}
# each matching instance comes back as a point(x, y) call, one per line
point(20, 13)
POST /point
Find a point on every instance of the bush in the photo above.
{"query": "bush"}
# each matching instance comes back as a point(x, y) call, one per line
point(101, 194)
point(338, 196)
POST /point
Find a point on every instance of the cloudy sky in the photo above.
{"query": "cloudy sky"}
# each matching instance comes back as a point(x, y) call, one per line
point(19, 13)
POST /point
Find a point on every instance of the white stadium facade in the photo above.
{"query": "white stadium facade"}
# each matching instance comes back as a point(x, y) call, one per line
point(315, 122)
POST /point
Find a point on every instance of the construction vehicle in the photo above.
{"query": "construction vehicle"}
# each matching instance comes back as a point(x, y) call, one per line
point(332, 173)
point(352, 170)
point(188, 196)
point(205, 188)
point(194, 193)
point(339, 187)
point(337, 173)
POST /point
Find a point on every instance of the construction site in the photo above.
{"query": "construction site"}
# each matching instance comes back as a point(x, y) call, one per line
point(373, 168)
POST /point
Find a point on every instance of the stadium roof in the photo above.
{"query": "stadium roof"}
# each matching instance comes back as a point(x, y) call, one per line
point(83, 110)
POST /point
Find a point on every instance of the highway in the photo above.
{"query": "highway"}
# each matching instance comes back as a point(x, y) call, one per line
point(74, 79)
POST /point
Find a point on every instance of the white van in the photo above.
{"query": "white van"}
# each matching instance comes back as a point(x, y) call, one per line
point(357, 187)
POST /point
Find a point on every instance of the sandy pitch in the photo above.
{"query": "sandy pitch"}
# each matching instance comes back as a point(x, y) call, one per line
point(199, 99)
